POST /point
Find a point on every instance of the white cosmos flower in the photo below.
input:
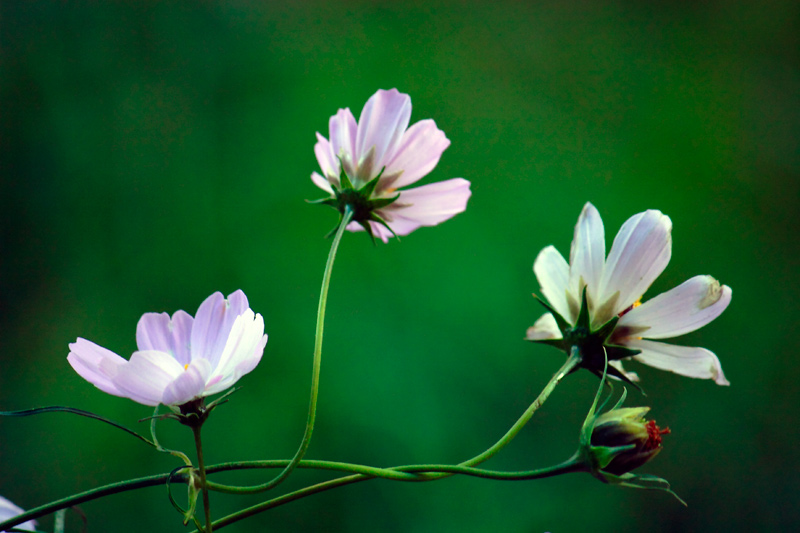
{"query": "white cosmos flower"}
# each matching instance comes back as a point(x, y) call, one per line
point(8, 511)
point(615, 285)
point(180, 358)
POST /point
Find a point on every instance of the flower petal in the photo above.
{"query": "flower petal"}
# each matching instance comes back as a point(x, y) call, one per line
point(343, 128)
point(95, 364)
point(189, 385)
point(213, 324)
point(587, 253)
point(417, 154)
point(552, 271)
point(683, 360)
point(633, 376)
point(326, 158)
point(545, 328)
point(640, 252)
point(146, 376)
point(381, 125)
point(322, 183)
point(689, 306)
point(155, 331)
point(242, 352)
point(427, 205)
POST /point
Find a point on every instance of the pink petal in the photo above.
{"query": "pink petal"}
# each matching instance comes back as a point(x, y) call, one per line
point(377, 230)
point(381, 125)
point(417, 154)
point(213, 324)
point(146, 376)
point(683, 360)
point(155, 331)
point(687, 307)
point(96, 365)
point(428, 205)
point(640, 252)
point(326, 158)
point(587, 253)
point(242, 352)
point(189, 385)
point(543, 329)
point(343, 128)
point(553, 274)
point(322, 183)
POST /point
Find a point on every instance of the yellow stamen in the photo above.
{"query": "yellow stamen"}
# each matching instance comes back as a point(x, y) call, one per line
point(186, 366)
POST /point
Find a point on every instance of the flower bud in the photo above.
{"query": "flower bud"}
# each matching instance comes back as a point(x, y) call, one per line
point(628, 438)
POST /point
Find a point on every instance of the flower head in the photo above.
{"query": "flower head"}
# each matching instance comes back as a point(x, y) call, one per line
point(181, 358)
point(594, 301)
point(8, 511)
point(615, 442)
point(626, 428)
point(364, 164)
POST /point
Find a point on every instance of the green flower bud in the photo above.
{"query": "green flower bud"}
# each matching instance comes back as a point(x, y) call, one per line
point(622, 440)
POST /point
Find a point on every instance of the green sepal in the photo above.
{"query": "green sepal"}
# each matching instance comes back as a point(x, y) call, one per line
point(605, 331)
point(639, 481)
point(563, 325)
point(583, 320)
point(329, 201)
point(619, 375)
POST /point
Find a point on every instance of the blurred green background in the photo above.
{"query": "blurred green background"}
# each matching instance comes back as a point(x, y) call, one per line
point(153, 153)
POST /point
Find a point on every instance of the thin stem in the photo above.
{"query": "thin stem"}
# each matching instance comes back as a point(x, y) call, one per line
point(347, 216)
point(202, 466)
point(410, 473)
point(572, 361)
point(89, 495)
point(574, 464)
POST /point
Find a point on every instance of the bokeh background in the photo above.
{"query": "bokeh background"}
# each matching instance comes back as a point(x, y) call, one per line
point(153, 153)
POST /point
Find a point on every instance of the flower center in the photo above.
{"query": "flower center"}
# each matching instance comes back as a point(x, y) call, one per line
point(186, 366)
point(654, 435)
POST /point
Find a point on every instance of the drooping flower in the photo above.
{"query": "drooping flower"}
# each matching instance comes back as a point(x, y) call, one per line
point(8, 511)
point(611, 289)
point(180, 359)
point(364, 164)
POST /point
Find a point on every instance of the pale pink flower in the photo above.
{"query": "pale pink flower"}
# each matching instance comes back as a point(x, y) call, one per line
point(180, 358)
point(381, 143)
point(8, 511)
point(615, 285)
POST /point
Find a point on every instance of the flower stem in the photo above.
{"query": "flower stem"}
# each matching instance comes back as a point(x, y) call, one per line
point(572, 361)
point(201, 465)
point(347, 216)
point(574, 464)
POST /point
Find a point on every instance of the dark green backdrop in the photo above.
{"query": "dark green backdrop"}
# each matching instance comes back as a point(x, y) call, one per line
point(153, 153)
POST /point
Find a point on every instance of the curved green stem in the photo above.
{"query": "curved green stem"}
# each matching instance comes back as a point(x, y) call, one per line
point(574, 464)
point(572, 361)
point(202, 467)
point(347, 216)
point(410, 473)
point(89, 495)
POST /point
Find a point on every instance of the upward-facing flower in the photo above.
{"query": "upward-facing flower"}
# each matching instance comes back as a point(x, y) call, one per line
point(180, 359)
point(364, 164)
point(8, 511)
point(595, 302)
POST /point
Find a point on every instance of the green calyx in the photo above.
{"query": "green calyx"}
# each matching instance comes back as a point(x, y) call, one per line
point(619, 429)
point(592, 345)
point(359, 201)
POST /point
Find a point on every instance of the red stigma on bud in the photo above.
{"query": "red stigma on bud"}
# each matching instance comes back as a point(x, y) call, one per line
point(654, 435)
